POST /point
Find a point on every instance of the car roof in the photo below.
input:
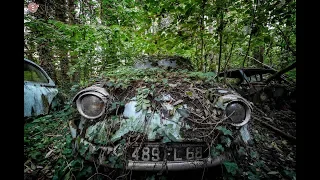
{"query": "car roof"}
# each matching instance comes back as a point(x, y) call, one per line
point(51, 82)
point(235, 73)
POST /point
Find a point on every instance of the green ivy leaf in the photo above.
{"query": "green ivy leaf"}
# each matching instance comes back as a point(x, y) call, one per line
point(146, 101)
point(112, 160)
point(145, 106)
point(242, 151)
point(231, 167)
point(220, 148)
point(138, 108)
point(224, 130)
point(226, 141)
point(253, 154)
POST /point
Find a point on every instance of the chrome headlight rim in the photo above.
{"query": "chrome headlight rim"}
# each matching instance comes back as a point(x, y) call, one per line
point(96, 94)
point(248, 111)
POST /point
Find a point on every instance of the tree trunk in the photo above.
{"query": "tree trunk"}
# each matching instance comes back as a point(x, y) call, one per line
point(71, 12)
point(60, 15)
point(247, 53)
point(229, 57)
point(220, 52)
point(202, 29)
point(251, 33)
point(220, 37)
point(45, 59)
point(258, 54)
point(43, 48)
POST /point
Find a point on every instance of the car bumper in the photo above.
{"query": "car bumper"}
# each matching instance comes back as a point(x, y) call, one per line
point(161, 165)
point(174, 165)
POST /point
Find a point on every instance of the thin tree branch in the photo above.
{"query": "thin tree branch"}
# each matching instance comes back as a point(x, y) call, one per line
point(288, 136)
point(278, 74)
point(287, 41)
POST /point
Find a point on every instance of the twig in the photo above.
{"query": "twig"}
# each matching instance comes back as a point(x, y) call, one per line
point(214, 139)
point(203, 173)
point(95, 166)
point(214, 128)
point(287, 41)
point(53, 135)
point(289, 137)
point(99, 174)
point(69, 167)
point(123, 175)
point(279, 73)
point(198, 115)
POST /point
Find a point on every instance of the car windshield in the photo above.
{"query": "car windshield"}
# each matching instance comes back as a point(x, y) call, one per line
point(233, 81)
point(33, 74)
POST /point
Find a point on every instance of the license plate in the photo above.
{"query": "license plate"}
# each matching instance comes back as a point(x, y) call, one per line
point(170, 152)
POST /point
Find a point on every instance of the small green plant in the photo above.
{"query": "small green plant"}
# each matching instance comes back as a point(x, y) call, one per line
point(142, 102)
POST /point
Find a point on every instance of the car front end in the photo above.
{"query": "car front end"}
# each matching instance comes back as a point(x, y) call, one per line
point(159, 126)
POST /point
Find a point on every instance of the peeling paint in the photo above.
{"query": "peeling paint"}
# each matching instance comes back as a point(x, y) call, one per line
point(151, 126)
point(164, 123)
point(81, 124)
point(142, 122)
point(245, 135)
point(73, 129)
point(37, 98)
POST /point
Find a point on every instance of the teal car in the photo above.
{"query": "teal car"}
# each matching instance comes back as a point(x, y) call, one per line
point(154, 119)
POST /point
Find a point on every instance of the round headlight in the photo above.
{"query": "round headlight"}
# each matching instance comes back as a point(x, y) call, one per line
point(238, 113)
point(91, 105)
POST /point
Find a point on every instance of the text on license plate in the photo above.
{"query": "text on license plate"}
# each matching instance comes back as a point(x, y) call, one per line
point(156, 152)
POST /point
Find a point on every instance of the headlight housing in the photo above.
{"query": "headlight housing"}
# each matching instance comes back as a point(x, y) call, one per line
point(237, 109)
point(236, 112)
point(92, 102)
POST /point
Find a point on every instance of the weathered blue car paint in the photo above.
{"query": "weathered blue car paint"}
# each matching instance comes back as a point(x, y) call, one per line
point(38, 96)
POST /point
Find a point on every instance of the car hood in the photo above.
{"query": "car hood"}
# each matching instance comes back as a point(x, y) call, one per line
point(164, 125)
point(167, 123)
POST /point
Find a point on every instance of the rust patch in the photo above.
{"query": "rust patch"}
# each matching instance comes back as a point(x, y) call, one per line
point(73, 129)
point(45, 103)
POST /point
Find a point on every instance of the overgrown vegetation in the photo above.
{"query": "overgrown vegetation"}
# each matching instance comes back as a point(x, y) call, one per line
point(80, 42)
point(48, 143)
point(77, 40)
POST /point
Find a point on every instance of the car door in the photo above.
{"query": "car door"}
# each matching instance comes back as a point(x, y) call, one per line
point(39, 90)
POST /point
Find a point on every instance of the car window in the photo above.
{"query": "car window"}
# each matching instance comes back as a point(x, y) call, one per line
point(266, 76)
point(253, 78)
point(33, 74)
point(233, 81)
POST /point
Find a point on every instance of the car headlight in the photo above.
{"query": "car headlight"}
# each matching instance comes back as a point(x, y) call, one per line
point(238, 113)
point(92, 102)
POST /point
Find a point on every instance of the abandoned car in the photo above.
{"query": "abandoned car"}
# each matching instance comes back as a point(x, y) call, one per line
point(154, 119)
point(39, 90)
point(255, 85)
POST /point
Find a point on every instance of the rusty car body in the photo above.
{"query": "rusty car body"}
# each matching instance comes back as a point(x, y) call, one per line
point(39, 90)
point(252, 83)
point(156, 137)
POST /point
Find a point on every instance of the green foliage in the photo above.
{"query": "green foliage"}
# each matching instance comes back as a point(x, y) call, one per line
point(216, 150)
point(48, 143)
point(231, 167)
point(142, 102)
point(224, 130)
point(119, 31)
point(208, 76)
point(104, 38)
point(226, 141)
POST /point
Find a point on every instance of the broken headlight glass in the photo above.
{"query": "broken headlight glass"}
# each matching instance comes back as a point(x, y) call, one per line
point(236, 112)
point(91, 105)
